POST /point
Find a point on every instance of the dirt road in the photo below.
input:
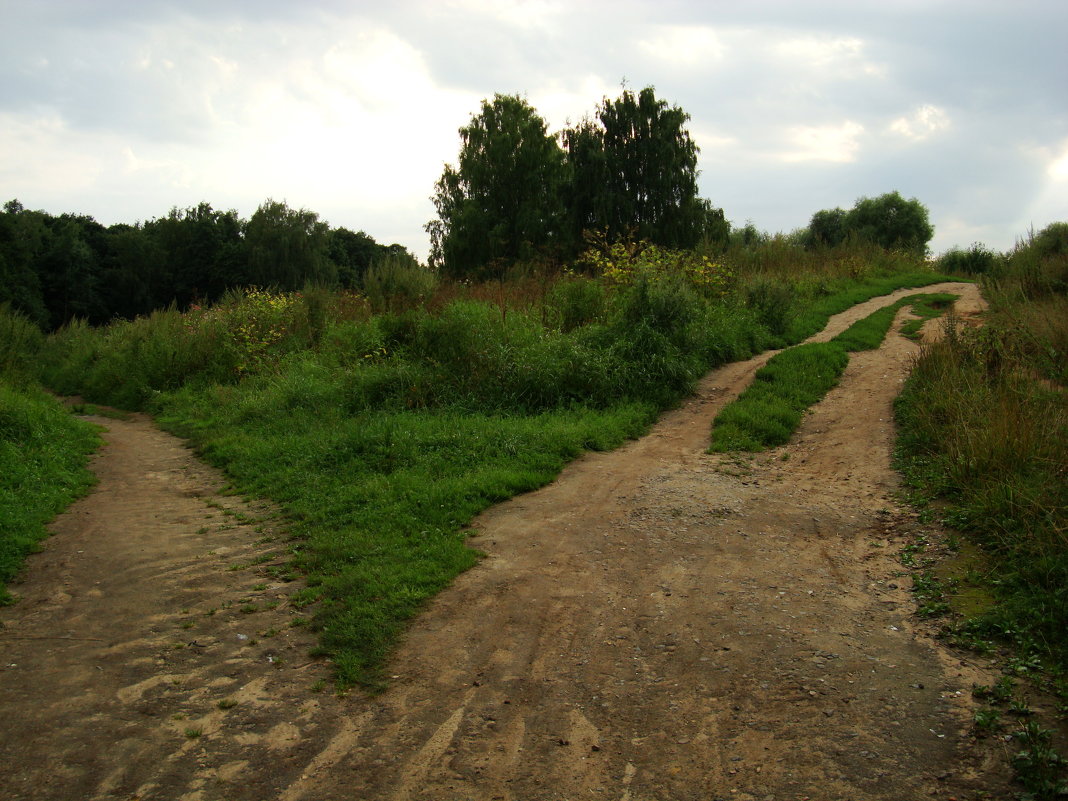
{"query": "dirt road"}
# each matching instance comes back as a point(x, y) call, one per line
point(657, 624)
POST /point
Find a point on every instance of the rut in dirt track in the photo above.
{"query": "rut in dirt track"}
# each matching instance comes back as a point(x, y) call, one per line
point(658, 623)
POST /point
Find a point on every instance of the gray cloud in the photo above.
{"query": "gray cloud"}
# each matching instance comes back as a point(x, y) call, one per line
point(351, 108)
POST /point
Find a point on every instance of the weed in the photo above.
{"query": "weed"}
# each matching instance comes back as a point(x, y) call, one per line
point(226, 703)
point(193, 732)
point(987, 721)
point(1039, 767)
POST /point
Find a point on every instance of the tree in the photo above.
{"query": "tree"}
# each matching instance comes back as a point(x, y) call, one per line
point(827, 228)
point(889, 221)
point(353, 252)
point(22, 238)
point(287, 248)
point(502, 202)
point(634, 173)
point(201, 255)
point(892, 222)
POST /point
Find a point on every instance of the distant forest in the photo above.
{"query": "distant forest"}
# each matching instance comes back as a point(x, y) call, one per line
point(54, 269)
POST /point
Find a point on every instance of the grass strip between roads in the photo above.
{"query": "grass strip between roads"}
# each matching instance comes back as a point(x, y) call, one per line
point(768, 413)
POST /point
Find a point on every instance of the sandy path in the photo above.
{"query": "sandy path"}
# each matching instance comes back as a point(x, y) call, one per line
point(659, 623)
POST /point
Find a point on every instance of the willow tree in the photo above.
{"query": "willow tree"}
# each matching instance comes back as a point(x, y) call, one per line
point(503, 201)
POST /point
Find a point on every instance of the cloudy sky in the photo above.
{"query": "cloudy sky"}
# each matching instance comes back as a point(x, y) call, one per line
point(123, 110)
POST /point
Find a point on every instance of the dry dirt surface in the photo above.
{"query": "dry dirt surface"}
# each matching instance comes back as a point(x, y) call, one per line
point(657, 624)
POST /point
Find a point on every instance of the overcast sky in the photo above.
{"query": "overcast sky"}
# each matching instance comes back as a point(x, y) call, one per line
point(123, 110)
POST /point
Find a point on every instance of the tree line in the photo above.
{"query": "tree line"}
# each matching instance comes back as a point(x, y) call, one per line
point(519, 193)
point(57, 268)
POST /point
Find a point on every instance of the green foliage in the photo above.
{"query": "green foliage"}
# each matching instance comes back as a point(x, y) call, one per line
point(57, 269)
point(381, 435)
point(20, 340)
point(43, 452)
point(983, 428)
point(287, 248)
point(769, 411)
point(976, 260)
point(503, 201)
point(827, 228)
point(398, 282)
point(889, 221)
point(634, 174)
point(575, 301)
point(625, 262)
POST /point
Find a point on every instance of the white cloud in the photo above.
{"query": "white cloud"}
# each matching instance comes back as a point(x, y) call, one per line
point(687, 46)
point(1058, 166)
point(820, 52)
point(922, 123)
point(41, 151)
point(831, 143)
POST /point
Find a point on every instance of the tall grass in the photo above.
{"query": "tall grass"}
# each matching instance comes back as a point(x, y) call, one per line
point(984, 426)
point(43, 450)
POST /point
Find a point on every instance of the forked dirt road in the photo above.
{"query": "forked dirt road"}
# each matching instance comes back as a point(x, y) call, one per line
point(659, 623)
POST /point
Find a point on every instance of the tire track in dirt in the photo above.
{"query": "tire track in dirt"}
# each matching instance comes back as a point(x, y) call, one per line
point(659, 623)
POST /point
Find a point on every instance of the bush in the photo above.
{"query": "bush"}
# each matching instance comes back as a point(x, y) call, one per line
point(976, 260)
point(397, 282)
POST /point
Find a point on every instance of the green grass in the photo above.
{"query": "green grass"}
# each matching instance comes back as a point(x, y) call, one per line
point(43, 453)
point(768, 413)
point(812, 319)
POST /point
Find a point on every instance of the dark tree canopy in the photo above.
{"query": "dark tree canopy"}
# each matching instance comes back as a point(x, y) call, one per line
point(517, 195)
point(502, 202)
point(634, 172)
point(55, 269)
point(889, 221)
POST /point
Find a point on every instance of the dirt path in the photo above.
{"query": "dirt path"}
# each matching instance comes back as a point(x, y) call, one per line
point(659, 623)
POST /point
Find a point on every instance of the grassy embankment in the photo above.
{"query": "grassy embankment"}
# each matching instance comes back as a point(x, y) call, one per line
point(984, 447)
point(382, 428)
point(984, 432)
point(43, 451)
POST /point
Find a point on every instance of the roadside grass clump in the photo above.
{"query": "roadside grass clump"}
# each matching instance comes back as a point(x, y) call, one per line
point(43, 453)
point(869, 333)
point(378, 500)
point(20, 342)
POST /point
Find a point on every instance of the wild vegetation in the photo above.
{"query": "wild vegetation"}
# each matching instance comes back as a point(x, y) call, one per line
point(984, 423)
point(43, 450)
point(383, 421)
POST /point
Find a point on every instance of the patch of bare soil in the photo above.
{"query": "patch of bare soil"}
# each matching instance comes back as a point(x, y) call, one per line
point(659, 623)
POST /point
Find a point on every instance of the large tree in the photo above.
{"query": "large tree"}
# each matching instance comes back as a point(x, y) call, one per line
point(887, 220)
point(634, 172)
point(891, 221)
point(503, 200)
point(287, 248)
